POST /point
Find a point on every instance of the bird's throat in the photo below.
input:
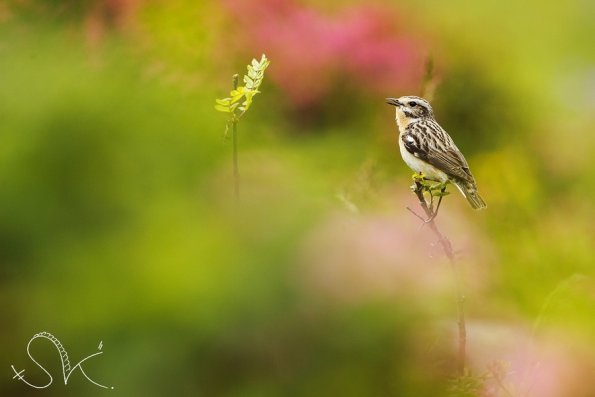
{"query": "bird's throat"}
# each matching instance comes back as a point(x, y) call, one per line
point(402, 120)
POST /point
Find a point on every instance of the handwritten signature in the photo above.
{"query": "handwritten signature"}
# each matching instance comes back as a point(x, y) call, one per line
point(67, 369)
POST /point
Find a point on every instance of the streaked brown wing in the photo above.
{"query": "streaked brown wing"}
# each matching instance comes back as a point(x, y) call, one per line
point(451, 162)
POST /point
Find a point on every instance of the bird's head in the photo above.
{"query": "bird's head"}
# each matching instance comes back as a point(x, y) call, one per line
point(411, 108)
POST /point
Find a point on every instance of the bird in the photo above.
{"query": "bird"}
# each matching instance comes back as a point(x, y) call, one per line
point(428, 149)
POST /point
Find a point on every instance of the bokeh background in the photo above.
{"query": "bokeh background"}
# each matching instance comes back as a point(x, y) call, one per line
point(118, 222)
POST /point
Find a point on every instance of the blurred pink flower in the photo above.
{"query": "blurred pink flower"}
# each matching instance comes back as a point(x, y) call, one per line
point(521, 364)
point(104, 15)
point(353, 258)
point(312, 55)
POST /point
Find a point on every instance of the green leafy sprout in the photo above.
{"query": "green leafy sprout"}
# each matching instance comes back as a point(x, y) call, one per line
point(252, 82)
point(237, 104)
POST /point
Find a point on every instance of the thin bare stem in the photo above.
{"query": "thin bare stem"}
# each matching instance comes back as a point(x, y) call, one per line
point(421, 218)
point(429, 80)
point(448, 251)
point(234, 138)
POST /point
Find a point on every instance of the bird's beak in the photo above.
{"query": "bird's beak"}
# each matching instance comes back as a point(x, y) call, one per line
point(393, 101)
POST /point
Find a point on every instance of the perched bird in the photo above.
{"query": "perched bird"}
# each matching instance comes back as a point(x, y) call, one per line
point(428, 149)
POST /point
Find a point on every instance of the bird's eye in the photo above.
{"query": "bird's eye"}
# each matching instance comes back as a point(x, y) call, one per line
point(412, 104)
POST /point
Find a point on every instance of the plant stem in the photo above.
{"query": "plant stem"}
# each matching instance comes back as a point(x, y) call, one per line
point(429, 80)
point(234, 138)
point(447, 248)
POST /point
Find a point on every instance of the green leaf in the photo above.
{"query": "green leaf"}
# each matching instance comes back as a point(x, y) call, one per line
point(249, 82)
point(236, 95)
point(248, 100)
point(238, 91)
point(224, 101)
point(264, 62)
point(418, 177)
point(438, 193)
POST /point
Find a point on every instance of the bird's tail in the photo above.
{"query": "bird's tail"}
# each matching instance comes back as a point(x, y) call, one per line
point(469, 191)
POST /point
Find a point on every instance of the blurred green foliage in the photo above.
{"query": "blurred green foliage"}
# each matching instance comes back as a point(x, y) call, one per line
point(118, 224)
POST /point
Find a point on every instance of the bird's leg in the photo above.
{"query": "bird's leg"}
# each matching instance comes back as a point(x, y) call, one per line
point(430, 189)
point(431, 202)
point(439, 201)
point(435, 213)
point(424, 183)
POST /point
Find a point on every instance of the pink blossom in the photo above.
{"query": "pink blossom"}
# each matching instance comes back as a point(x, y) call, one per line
point(351, 258)
point(520, 363)
point(313, 55)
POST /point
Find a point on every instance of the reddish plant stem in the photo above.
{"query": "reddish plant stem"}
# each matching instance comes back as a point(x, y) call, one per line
point(448, 251)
